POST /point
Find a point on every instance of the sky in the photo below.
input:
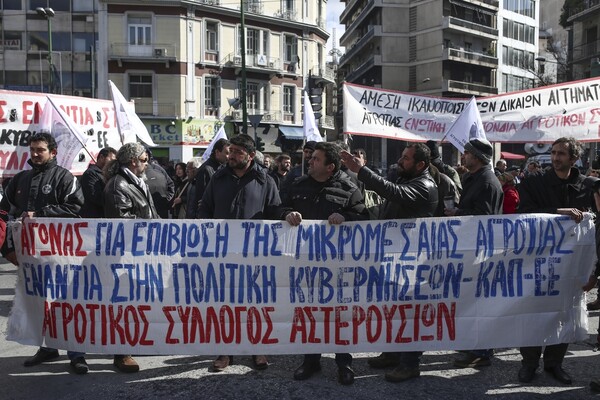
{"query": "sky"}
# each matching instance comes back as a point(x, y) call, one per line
point(334, 9)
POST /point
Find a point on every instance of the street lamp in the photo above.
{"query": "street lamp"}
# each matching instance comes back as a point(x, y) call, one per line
point(48, 13)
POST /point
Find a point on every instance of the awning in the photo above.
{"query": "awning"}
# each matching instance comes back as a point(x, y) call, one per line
point(511, 156)
point(292, 132)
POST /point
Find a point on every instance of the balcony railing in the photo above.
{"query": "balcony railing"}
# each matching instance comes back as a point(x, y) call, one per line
point(493, 3)
point(290, 15)
point(253, 61)
point(373, 30)
point(268, 116)
point(586, 50)
point(586, 6)
point(211, 2)
point(470, 25)
point(469, 87)
point(326, 73)
point(470, 56)
point(158, 51)
point(327, 121)
point(256, 8)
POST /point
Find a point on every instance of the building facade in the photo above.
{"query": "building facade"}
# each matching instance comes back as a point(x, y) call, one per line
point(585, 40)
point(181, 62)
point(27, 56)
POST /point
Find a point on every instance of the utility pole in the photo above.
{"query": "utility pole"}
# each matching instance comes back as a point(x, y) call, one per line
point(243, 96)
point(48, 13)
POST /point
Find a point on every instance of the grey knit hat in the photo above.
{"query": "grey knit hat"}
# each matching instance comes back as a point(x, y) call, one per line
point(480, 148)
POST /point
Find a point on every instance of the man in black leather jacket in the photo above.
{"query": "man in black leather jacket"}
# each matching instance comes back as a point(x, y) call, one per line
point(92, 184)
point(126, 194)
point(325, 193)
point(47, 190)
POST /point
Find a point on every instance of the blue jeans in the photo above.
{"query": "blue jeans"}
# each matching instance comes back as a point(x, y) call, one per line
point(71, 354)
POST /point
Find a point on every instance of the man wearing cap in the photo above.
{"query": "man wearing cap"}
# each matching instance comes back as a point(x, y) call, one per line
point(500, 167)
point(482, 195)
point(516, 173)
point(436, 160)
point(559, 190)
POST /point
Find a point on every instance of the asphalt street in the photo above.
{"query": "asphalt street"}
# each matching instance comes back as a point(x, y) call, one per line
point(188, 377)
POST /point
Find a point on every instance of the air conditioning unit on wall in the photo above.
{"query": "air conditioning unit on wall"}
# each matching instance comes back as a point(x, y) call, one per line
point(160, 52)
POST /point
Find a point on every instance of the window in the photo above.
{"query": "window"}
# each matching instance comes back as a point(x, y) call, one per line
point(140, 86)
point(288, 99)
point(257, 41)
point(291, 48)
point(211, 92)
point(212, 38)
point(140, 30)
point(523, 7)
point(57, 5)
point(256, 96)
point(12, 40)
point(83, 5)
point(11, 5)
point(82, 42)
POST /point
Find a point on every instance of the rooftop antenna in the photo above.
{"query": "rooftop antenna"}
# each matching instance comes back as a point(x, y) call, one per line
point(335, 52)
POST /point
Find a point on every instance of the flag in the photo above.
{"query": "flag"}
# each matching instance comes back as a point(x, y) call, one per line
point(311, 131)
point(69, 138)
point(220, 135)
point(467, 126)
point(127, 120)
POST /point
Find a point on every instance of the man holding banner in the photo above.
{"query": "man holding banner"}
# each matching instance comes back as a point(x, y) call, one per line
point(482, 195)
point(559, 190)
point(414, 195)
point(325, 193)
point(47, 190)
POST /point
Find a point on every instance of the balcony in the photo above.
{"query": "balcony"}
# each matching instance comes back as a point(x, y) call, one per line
point(363, 68)
point(586, 51)
point(149, 107)
point(470, 88)
point(589, 7)
point(351, 28)
point(255, 62)
point(470, 57)
point(462, 25)
point(268, 116)
point(351, 51)
point(327, 122)
point(492, 4)
point(290, 15)
point(152, 53)
point(255, 8)
point(348, 10)
point(323, 74)
point(211, 2)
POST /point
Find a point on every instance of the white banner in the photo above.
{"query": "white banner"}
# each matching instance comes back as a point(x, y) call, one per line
point(538, 115)
point(20, 118)
point(263, 287)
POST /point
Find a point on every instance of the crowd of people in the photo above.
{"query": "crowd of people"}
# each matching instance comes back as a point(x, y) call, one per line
point(332, 182)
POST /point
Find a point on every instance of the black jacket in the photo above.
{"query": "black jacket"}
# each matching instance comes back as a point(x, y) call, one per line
point(318, 200)
point(161, 187)
point(48, 190)
point(92, 185)
point(545, 192)
point(407, 198)
point(482, 193)
point(253, 196)
point(125, 199)
point(203, 175)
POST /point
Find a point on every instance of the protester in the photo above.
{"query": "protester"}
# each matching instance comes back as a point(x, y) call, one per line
point(283, 163)
point(217, 158)
point(533, 168)
point(179, 201)
point(92, 184)
point(192, 171)
point(516, 173)
point(240, 190)
point(414, 195)
point(46, 190)
point(268, 162)
point(500, 167)
point(325, 193)
point(511, 195)
point(161, 186)
point(298, 170)
point(559, 190)
point(436, 160)
point(481, 195)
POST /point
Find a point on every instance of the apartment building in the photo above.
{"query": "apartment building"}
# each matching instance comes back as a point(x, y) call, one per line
point(27, 56)
point(437, 47)
point(584, 41)
point(181, 62)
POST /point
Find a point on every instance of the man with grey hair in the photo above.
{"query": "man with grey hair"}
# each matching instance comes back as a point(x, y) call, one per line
point(126, 195)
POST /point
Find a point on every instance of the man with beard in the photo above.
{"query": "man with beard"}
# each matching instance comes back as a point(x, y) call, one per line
point(47, 190)
point(414, 195)
point(482, 195)
point(326, 193)
point(298, 170)
point(240, 190)
point(283, 163)
point(560, 190)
